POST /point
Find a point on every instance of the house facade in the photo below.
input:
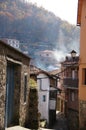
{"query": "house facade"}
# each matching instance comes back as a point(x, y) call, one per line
point(46, 95)
point(43, 95)
point(69, 76)
point(14, 86)
point(12, 42)
point(81, 21)
point(60, 95)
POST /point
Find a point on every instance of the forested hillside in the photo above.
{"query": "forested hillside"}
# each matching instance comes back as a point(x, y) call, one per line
point(36, 28)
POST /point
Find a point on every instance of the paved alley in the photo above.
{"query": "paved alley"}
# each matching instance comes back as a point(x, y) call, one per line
point(61, 122)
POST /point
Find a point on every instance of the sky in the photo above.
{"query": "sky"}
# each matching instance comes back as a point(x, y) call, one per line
point(65, 9)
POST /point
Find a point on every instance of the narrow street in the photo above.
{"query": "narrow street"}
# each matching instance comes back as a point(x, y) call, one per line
point(61, 122)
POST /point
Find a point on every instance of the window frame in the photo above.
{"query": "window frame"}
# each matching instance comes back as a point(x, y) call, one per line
point(25, 87)
point(44, 98)
point(84, 76)
point(73, 96)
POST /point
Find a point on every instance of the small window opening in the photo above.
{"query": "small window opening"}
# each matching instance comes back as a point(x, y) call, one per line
point(44, 98)
point(84, 76)
point(25, 87)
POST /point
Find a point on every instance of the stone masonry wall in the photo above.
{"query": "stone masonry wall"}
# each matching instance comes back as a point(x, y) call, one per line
point(73, 119)
point(6, 51)
point(2, 90)
point(82, 112)
point(24, 105)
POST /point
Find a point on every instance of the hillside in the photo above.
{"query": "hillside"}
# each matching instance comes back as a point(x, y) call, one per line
point(37, 30)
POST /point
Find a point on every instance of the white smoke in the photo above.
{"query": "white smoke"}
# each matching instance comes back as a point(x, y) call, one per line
point(59, 55)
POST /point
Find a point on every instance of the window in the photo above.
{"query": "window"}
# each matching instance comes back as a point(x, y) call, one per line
point(73, 96)
point(44, 98)
point(73, 74)
point(53, 94)
point(84, 76)
point(25, 87)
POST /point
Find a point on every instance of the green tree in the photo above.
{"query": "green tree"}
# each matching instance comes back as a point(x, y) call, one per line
point(33, 83)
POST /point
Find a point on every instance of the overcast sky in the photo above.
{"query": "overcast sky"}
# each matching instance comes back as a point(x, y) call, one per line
point(65, 9)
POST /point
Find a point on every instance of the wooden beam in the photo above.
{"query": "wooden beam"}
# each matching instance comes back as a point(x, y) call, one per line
point(80, 2)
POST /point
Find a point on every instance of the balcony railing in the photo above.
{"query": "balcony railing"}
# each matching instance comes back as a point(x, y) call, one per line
point(70, 83)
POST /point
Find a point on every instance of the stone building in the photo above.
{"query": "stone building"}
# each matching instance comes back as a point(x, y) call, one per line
point(81, 21)
point(14, 86)
point(69, 76)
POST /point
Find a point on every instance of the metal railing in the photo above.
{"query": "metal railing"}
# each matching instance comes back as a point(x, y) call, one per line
point(70, 82)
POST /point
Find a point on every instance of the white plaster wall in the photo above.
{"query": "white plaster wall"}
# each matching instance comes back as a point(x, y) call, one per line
point(43, 89)
point(44, 106)
point(43, 82)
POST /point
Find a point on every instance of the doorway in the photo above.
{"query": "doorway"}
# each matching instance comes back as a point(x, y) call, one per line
point(12, 90)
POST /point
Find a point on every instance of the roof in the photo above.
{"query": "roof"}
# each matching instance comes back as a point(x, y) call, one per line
point(80, 2)
point(10, 47)
point(35, 71)
point(54, 72)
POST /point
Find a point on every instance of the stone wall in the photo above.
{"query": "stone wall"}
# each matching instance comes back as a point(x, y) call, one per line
point(2, 90)
point(24, 105)
point(21, 70)
point(82, 112)
point(73, 119)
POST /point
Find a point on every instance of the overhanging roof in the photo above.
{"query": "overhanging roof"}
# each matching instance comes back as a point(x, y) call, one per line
point(80, 2)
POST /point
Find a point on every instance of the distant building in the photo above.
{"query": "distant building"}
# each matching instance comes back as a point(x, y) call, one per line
point(60, 96)
point(46, 53)
point(69, 80)
point(47, 58)
point(12, 42)
point(47, 94)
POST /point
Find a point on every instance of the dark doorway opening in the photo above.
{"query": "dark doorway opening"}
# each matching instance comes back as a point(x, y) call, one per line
point(13, 84)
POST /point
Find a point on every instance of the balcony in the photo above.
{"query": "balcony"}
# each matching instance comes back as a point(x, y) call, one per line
point(70, 83)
